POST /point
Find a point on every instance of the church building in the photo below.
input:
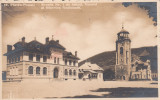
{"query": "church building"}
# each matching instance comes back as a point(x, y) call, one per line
point(34, 60)
point(129, 67)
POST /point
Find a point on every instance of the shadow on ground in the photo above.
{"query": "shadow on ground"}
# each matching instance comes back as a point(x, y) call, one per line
point(122, 92)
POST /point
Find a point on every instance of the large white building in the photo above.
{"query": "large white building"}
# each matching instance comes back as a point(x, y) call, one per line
point(34, 60)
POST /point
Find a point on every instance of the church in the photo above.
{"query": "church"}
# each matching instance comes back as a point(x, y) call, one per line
point(128, 66)
point(34, 60)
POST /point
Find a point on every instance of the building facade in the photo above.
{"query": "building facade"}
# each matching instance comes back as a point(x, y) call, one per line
point(130, 67)
point(141, 69)
point(89, 71)
point(34, 60)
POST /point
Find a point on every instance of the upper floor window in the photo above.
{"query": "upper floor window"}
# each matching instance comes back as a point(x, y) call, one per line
point(74, 63)
point(70, 62)
point(44, 59)
point(55, 60)
point(65, 61)
point(37, 57)
point(30, 57)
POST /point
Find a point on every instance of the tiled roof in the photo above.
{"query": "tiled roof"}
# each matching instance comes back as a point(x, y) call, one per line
point(89, 66)
point(37, 47)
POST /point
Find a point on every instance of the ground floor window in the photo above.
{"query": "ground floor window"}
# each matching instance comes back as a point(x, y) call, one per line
point(30, 70)
point(74, 72)
point(38, 70)
point(44, 71)
point(70, 72)
point(66, 72)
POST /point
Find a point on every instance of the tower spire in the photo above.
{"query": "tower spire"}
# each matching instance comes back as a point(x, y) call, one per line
point(52, 37)
point(122, 25)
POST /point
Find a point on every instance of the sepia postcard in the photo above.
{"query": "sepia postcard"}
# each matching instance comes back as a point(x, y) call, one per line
point(79, 49)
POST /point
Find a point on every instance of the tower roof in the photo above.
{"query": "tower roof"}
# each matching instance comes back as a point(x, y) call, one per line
point(123, 31)
point(144, 53)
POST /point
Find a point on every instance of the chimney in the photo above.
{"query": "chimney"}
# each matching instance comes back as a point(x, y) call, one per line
point(23, 39)
point(57, 41)
point(76, 53)
point(47, 40)
point(9, 48)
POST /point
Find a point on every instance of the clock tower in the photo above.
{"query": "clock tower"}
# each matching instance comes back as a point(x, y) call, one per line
point(123, 56)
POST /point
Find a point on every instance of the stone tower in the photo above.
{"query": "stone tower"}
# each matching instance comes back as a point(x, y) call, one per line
point(123, 56)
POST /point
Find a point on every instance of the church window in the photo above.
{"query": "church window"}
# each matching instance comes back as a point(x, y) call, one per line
point(30, 57)
point(30, 70)
point(66, 72)
point(70, 72)
point(65, 61)
point(121, 50)
point(44, 59)
point(126, 57)
point(38, 70)
point(55, 60)
point(74, 72)
point(44, 71)
point(37, 57)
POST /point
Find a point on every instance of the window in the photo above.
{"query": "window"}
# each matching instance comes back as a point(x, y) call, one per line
point(74, 72)
point(30, 57)
point(30, 70)
point(38, 70)
point(121, 50)
point(70, 62)
point(44, 71)
point(57, 60)
point(44, 59)
point(74, 63)
point(18, 58)
point(37, 57)
point(126, 57)
point(66, 72)
point(65, 61)
point(70, 72)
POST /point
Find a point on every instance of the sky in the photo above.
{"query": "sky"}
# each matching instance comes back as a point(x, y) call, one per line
point(90, 30)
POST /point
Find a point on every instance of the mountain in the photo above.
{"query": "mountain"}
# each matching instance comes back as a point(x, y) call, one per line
point(107, 60)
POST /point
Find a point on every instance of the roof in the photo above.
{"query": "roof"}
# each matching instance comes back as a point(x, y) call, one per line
point(89, 66)
point(37, 47)
point(144, 53)
point(69, 55)
point(123, 31)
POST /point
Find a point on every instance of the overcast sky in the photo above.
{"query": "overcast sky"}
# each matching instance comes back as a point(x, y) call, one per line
point(90, 30)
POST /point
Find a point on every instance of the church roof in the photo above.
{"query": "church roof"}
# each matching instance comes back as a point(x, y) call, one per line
point(123, 31)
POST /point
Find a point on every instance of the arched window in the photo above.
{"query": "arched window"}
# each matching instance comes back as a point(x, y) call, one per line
point(70, 72)
point(44, 71)
point(38, 70)
point(121, 50)
point(74, 72)
point(30, 70)
point(66, 72)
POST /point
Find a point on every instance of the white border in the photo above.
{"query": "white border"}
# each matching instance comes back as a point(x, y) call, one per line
point(86, 1)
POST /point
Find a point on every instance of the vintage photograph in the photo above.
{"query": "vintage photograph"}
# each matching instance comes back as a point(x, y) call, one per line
point(79, 50)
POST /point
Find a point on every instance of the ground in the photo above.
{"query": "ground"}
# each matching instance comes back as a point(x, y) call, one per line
point(79, 89)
